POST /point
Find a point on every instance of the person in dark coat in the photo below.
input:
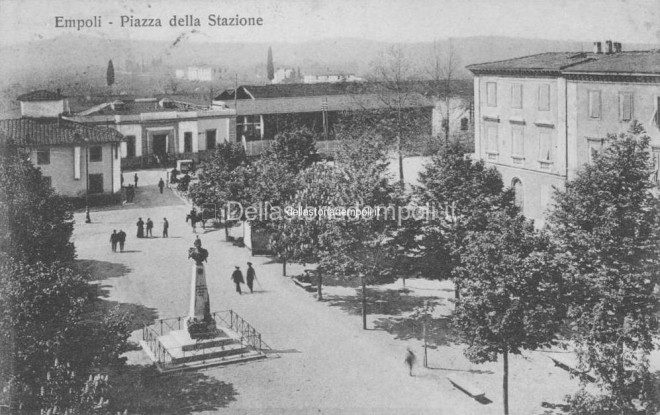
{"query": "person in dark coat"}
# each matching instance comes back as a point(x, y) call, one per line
point(161, 184)
point(237, 277)
point(150, 227)
point(251, 275)
point(121, 237)
point(135, 179)
point(140, 228)
point(166, 226)
point(410, 361)
point(113, 240)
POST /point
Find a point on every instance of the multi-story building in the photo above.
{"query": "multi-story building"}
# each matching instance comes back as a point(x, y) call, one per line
point(162, 128)
point(76, 159)
point(539, 118)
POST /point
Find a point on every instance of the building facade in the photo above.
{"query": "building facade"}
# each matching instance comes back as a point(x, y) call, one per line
point(540, 118)
point(76, 159)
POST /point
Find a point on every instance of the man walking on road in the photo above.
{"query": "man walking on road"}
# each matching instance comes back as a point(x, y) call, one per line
point(166, 226)
point(161, 184)
point(250, 276)
point(135, 179)
point(121, 237)
point(150, 227)
point(113, 240)
point(410, 361)
point(237, 277)
point(140, 228)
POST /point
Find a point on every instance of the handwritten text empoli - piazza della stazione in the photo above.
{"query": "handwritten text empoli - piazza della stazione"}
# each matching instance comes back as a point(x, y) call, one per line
point(187, 20)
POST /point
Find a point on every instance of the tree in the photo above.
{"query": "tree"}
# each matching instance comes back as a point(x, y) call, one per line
point(442, 71)
point(510, 294)
point(468, 191)
point(270, 69)
point(35, 223)
point(110, 73)
point(608, 221)
point(295, 149)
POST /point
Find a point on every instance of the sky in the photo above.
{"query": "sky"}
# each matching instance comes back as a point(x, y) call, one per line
point(627, 21)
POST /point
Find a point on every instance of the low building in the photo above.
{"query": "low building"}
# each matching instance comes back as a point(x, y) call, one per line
point(540, 118)
point(198, 73)
point(162, 128)
point(76, 159)
point(331, 77)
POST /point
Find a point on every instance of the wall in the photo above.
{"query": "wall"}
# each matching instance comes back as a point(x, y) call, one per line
point(458, 109)
point(130, 129)
point(191, 127)
point(43, 108)
point(221, 125)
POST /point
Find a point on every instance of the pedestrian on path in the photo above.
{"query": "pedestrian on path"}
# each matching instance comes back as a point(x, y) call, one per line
point(140, 228)
point(121, 237)
point(135, 179)
point(410, 361)
point(150, 227)
point(250, 277)
point(166, 226)
point(113, 240)
point(237, 277)
point(161, 184)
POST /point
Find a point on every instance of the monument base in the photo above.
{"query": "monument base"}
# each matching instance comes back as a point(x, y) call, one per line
point(177, 350)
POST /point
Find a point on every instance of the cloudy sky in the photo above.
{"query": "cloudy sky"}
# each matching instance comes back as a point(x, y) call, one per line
point(387, 20)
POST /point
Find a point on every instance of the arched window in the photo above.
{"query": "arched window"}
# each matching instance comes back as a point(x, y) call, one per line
point(518, 191)
point(464, 124)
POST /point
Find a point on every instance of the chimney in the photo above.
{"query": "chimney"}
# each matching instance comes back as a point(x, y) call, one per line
point(598, 47)
point(609, 46)
point(617, 47)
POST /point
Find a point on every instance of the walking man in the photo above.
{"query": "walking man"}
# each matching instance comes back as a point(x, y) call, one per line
point(250, 277)
point(410, 361)
point(150, 227)
point(135, 179)
point(237, 277)
point(121, 237)
point(161, 184)
point(166, 226)
point(140, 228)
point(113, 240)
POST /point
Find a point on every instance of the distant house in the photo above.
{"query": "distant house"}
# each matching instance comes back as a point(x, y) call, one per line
point(260, 108)
point(162, 128)
point(285, 75)
point(76, 159)
point(198, 73)
point(541, 117)
point(331, 77)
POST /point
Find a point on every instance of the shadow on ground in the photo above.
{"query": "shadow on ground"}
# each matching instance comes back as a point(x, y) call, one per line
point(101, 270)
point(438, 330)
point(142, 390)
point(387, 302)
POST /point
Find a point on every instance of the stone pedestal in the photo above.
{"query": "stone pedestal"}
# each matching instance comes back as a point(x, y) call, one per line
point(200, 323)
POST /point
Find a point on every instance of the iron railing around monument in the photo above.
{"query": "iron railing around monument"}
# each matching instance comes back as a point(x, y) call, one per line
point(248, 335)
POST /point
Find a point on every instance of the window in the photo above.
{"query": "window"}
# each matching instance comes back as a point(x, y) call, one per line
point(594, 104)
point(656, 117)
point(491, 94)
point(187, 142)
point(115, 148)
point(95, 183)
point(96, 153)
point(625, 106)
point(595, 146)
point(464, 124)
point(210, 139)
point(516, 95)
point(43, 156)
point(130, 146)
point(544, 97)
point(491, 139)
point(517, 143)
point(546, 147)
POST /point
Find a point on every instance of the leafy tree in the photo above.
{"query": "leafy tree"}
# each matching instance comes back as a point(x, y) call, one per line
point(110, 73)
point(295, 149)
point(511, 292)
point(35, 223)
point(270, 69)
point(468, 191)
point(608, 221)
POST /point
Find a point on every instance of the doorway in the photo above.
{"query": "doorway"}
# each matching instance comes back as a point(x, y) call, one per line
point(160, 144)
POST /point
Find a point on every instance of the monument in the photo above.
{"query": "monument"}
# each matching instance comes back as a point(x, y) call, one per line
point(200, 323)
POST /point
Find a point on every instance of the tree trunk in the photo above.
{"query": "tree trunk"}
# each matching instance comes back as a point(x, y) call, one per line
point(400, 151)
point(457, 290)
point(364, 304)
point(284, 267)
point(505, 380)
point(319, 296)
point(226, 226)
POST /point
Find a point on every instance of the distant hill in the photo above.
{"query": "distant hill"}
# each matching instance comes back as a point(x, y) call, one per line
point(77, 63)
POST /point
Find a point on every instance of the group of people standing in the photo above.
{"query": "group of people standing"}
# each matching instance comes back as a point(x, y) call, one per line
point(237, 277)
point(117, 238)
point(149, 228)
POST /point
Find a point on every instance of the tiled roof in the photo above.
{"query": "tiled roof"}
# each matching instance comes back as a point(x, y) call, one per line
point(41, 95)
point(140, 106)
point(646, 62)
point(24, 132)
point(426, 88)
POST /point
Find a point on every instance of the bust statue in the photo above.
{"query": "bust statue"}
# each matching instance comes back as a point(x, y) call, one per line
point(198, 254)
